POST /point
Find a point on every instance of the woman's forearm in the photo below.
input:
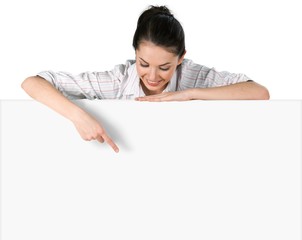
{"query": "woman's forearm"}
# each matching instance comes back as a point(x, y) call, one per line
point(89, 129)
point(42, 91)
point(239, 91)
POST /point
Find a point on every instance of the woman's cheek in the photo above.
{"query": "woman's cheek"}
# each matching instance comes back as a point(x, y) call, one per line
point(168, 75)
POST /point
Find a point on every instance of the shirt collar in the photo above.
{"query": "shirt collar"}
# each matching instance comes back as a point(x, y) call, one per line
point(172, 85)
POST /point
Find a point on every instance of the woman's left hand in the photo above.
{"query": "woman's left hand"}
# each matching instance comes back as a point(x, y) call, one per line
point(167, 96)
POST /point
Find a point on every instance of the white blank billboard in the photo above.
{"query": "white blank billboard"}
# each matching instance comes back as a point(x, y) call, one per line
point(185, 170)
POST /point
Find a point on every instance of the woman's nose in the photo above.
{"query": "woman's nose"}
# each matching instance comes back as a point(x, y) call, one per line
point(152, 74)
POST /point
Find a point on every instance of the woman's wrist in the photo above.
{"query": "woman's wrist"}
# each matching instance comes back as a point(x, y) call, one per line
point(75, 114)
point(194, 93)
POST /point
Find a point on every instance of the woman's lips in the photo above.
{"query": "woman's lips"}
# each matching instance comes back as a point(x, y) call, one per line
point(154, 83)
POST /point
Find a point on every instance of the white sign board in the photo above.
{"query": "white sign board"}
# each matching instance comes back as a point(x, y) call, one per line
point(185, 170)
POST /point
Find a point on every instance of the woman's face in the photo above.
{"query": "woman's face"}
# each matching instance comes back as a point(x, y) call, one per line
point(155, 67)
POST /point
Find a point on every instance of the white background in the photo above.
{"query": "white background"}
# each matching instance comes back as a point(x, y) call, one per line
point(261, 38)
point(191, 170)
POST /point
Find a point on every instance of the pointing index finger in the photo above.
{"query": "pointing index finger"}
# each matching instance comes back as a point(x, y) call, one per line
point(109, 141)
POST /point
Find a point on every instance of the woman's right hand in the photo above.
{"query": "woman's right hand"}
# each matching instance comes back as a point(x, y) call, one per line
point(91, 129)
point(43, 91)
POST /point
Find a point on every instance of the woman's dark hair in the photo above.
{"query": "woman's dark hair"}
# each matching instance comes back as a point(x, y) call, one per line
point(158, 25)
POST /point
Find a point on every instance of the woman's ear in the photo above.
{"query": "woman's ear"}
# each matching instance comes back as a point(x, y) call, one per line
point(181, 58)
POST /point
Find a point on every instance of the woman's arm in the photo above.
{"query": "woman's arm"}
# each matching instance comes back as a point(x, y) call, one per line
point(44, 92)
point(239, 91)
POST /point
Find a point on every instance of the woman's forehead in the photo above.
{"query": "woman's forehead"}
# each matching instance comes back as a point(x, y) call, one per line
point(148, 51)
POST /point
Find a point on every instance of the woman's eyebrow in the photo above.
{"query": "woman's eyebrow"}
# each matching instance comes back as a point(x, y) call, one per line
point(159, 65)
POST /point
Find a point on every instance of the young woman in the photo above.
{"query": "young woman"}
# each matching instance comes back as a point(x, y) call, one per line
point(159, 73)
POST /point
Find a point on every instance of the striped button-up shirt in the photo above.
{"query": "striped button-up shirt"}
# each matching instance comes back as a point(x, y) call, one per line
point(123, 81)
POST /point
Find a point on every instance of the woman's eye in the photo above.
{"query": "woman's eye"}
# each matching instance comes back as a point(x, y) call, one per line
point(146, 65)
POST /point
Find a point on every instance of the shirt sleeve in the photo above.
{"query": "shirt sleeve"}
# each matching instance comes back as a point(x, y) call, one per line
point(90, 85)
point(199, 76)
point(216, 78)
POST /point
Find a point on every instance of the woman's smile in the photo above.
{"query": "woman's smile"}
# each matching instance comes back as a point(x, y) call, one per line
point(154, 83)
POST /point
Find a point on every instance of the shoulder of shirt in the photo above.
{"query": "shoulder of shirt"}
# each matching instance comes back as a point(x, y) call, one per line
point(192, 68)
point(188, 63)
point(127, 64)
point(124, 68)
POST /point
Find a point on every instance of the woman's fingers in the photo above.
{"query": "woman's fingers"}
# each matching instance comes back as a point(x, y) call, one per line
point(100, 139)
point(150, 98)
point(90, 129)
point(167, 96)
point(110, 142)
point(103, 137)
point(170, 96)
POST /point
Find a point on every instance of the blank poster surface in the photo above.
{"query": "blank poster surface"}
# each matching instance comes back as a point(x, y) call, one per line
point(185, 170)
